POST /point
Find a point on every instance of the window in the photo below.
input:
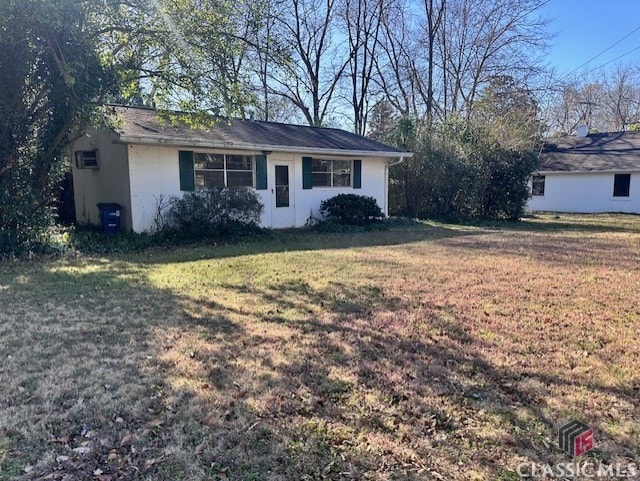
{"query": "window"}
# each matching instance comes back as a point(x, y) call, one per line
point(223, 170)
point(282, 186)
point(537, 185)
point(621, 184)
point(331, 173)
point(87, 159)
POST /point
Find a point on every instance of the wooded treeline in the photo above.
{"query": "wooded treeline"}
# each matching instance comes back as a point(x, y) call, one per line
point(606, 101)
point(330, 62)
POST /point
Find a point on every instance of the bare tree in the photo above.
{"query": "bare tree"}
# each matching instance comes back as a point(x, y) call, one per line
point(436, 59)
point(316, 64)
point(483, 39)
point(397, 64)
point(568, 109)
point(266, 53)
point(434, 16)
point(608, 102)
point(362, 19)
point(622, 98)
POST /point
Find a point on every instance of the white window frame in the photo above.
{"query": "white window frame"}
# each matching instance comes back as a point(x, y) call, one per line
point(81, 157)
point(331, 173)
point(224, 169)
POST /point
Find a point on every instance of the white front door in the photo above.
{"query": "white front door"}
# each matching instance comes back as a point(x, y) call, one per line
point(282, 205)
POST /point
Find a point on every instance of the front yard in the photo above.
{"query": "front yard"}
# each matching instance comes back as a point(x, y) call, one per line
point(425, 352)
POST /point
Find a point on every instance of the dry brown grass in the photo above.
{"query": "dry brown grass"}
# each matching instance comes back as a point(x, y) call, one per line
point(433, 351)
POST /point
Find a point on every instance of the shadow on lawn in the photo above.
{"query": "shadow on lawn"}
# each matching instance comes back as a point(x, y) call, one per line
point(376, 388)
point(474, 236)
point(560, 250)
point(307, 240)
point(84, 394)
point(158, 385)
point(566, 222)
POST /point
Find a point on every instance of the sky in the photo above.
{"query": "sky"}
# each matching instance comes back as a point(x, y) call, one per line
point(584, 28)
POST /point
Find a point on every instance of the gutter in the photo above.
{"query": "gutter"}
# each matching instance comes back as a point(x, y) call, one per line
point(401, 159)
point(138, 139)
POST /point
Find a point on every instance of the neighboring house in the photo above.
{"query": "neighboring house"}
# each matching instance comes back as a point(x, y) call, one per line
point(589, 173)
point(146, 160)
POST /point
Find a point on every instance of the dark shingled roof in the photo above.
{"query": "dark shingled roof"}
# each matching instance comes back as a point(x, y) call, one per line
point(142, 125)
point(617, 151)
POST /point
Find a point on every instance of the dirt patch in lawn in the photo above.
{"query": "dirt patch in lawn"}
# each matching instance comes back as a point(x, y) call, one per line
point(434, 352)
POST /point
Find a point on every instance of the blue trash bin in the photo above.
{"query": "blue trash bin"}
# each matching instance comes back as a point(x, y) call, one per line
point(110, 216)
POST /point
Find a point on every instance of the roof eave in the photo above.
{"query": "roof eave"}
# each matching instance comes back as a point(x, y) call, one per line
point(592, 171)
point(137, 139)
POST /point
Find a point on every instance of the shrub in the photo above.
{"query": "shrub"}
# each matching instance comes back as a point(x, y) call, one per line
point(212, 212)
point(351, 209)
point(25, 226)
point(460, 172)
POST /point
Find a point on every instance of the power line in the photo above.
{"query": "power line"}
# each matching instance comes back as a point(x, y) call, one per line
point(603, 52)
point(611, 61)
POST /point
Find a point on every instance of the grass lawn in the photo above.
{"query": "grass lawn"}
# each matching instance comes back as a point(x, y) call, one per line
point(425, 352)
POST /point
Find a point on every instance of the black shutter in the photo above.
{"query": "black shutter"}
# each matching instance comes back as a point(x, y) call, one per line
point(187, 177)
point(261, 172)
point(357, 174)
point(307, 175)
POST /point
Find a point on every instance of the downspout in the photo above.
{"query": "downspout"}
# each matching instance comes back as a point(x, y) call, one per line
point(389, 164)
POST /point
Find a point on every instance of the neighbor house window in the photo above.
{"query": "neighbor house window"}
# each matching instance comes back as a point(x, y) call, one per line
point(621, 184)
point(331, 173)
point(223, 170)
point(537, 185)
point(87, 159)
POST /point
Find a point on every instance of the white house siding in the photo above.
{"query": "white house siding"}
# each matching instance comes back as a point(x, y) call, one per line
point(108, 183)
point(154, 177)
point(308, 201)
point(587, 192)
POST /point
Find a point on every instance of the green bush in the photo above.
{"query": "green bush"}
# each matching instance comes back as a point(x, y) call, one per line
point(92, 240)
point(460, 172)
point(26, 226)
point(214, 212)
point(351, 209)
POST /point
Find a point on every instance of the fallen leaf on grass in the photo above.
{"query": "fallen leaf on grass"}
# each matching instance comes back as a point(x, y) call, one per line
point(150, 462)
point(154, 423)
point(126, 440)
point(212, 422)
